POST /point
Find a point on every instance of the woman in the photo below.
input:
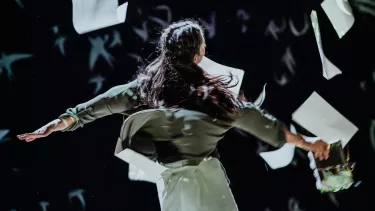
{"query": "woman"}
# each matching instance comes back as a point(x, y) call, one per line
point(178, 113)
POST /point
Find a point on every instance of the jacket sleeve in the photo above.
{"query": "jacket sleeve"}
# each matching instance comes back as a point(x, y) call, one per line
point(116, 100)
point(261, 124)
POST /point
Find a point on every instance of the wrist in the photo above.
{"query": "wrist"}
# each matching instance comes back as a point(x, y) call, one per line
point(301, 143)
point(55, 125)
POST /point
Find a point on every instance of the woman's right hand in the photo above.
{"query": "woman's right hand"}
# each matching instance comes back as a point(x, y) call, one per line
point(55, 125)
point(321, 149)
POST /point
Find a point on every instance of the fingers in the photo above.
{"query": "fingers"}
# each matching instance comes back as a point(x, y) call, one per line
point(29, 136)
point(326, 154)
point(30, 139)
point(318, 155)
point(321, 155)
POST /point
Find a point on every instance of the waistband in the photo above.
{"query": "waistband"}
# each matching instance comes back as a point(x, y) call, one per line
point(185, 162)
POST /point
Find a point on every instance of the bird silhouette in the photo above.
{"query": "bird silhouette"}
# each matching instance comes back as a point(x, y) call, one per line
point(55, 29)
point(3, 133)
point(44, 205)
point(143, 33)
point(98, 49)
point(333, 199)
point(303, 31)
point(293, 205)
point(161, 22)
point(244, 16)
point(282, 81)
point(135, 56)
point(7, 60)
point(288, 60)
point(274, 30)
point(211, 25)
point(98, 81)
point(362, 84)
point(78, 194)
point(20, 4)
point(116, 39)
point(365, 6)
point(60, 43)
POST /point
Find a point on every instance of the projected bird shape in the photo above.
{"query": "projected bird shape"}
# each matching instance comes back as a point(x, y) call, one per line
point(116, 39)
point(3, 134)
point(20, 4)
point(98, 49)
point(6, 62)
point(98, 81)
point(79, 195)
point(60, 41)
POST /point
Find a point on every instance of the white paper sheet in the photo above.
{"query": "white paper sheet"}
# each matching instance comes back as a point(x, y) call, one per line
point(262, 96)
point(329, 69)
point(340, 14)
point(216, 69)
point(280, 157)
point(91, 15)
point(321, 119)
point(141, 168)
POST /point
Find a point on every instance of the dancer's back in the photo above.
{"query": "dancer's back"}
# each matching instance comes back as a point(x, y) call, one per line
point(192, 134)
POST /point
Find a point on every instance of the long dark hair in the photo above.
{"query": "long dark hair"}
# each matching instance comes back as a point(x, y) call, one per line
point(173, 80)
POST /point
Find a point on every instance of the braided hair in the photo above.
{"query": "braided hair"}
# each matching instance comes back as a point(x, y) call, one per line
point(173, 80)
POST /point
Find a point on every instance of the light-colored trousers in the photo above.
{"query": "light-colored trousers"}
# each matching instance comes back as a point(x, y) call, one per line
point(203, 187)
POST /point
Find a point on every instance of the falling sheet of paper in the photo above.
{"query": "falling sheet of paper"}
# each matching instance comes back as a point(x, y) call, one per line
point(321, 119)
point(280, 157)
point(259, 101)
point(329, 69)
point(91, 15)
point(340, 14)
point(216, 69)
point(137, 174)
point(141, 168)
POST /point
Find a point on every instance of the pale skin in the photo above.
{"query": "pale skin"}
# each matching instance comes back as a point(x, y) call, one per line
point(320, 148)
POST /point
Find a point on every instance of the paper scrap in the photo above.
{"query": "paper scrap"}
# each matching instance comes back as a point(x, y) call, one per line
point(262, 96)
point(329, 69)
point(340, 14)
point(280, 157)
point(141, 168)
point(321, 119)
point(91, 15)
point(216, 69)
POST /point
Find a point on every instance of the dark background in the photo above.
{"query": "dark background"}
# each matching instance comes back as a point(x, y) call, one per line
point(46, 174)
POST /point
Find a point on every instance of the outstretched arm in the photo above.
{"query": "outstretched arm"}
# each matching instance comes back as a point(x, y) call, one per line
point(118, 99)
point(273, 131)
point(55, 125)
